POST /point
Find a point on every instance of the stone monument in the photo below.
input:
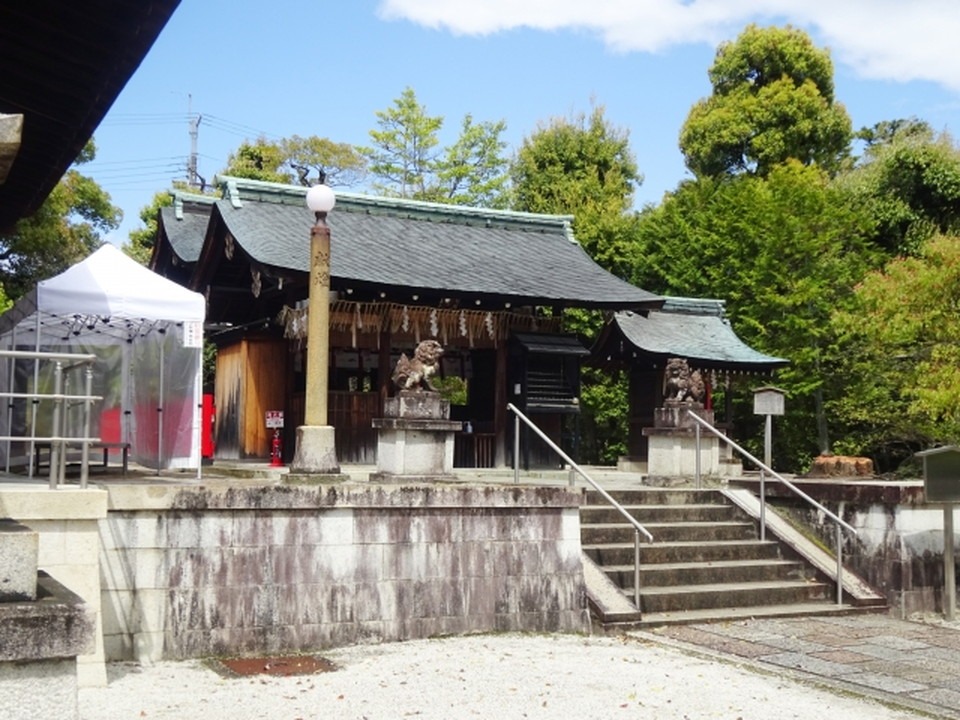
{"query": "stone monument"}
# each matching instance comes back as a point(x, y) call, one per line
point(672, 441)
point(416, 434)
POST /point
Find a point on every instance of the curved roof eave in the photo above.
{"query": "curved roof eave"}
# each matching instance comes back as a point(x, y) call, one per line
point(705, 338)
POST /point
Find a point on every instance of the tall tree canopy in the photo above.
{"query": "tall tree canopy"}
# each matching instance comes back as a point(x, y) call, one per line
point(406, 159)
point(404, 147)
point(473, 171)
point(261, 159)
point(772, 101)
point(299, 160)
point(900, 355)
point(784, 251)
point(72, 222)
point(582, 167)
point(317, 159)
point(909, 179)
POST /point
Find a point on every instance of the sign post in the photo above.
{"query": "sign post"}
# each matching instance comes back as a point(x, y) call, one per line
point(941, 484)
point(768, 401)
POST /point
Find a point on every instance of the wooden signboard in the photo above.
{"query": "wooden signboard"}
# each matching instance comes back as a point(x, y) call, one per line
point(941, 484)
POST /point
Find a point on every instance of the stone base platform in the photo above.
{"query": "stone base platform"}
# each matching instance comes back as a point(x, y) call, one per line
point(672, 443)
point(416, 439)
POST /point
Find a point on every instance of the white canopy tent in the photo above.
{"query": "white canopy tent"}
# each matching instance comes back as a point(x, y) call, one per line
point(147, 334)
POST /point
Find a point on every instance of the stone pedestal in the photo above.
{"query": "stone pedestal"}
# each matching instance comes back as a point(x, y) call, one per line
point(19, 549)
point(44, 627)
point(672, 443)
point(316, 451)
point(69, 524)
point(416, 438)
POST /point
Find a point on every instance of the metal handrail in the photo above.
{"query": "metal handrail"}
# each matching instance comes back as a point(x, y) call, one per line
point(638, 529)
point(764, 468)
point(64, 364)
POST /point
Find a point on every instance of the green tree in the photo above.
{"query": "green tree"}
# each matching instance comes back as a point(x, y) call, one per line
point(605, 415)
point(320, 159)
point(261, 159)
point(407, 161)
point(297, 160)
point(899, 345)
point(582, 167)
point(886, 131)
point(71, 223)
point(772, 101)
point(909, 179)
point(404, 148)
point(784, 252)
point(473, 171)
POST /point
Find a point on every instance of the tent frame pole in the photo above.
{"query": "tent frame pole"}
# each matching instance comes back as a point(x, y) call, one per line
point(11, 379)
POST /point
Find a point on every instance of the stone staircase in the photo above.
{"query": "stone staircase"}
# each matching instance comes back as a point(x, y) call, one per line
point(706, 563)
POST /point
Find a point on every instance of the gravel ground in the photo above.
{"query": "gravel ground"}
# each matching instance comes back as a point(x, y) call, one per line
point(483, 676)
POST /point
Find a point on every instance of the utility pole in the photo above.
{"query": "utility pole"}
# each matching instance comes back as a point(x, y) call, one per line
point(193, 178)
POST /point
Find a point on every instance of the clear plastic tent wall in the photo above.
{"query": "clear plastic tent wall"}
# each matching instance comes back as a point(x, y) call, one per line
point(146, 333)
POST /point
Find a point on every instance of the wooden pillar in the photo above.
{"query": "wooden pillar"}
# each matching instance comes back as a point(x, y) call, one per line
point(384, 371)
point(500, 415)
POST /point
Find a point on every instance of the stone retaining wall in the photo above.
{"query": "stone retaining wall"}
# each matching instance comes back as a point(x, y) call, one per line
point(231, 570)
point(899, 544)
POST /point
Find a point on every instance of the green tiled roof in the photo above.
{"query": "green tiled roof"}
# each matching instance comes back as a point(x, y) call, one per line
point(416, 245)
point(185, 231)
point(695, 329)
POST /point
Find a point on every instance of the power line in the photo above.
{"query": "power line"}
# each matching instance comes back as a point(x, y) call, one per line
point(150, 115)
point(138, 173)
point(231, 126)
point(147, 171)
point(133, 164)
point(141, 121)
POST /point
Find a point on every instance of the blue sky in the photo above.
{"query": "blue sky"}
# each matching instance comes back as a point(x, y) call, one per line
point(325, 67)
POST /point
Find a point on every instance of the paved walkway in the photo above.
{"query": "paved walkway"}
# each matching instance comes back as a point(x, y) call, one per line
point(915, 665)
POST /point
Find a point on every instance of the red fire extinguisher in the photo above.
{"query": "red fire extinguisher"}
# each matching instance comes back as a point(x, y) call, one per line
point(276, 450)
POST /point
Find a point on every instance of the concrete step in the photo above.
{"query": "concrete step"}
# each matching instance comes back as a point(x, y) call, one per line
point(621, 553)
point(729, 595)
point(705, 562)
point(706, 573)
point(591, 533)
point(707, 615)
point(654, 496)
point(683, 512)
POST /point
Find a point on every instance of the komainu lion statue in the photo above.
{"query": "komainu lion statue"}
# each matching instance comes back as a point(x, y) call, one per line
point(682, 384)
point(415, 374)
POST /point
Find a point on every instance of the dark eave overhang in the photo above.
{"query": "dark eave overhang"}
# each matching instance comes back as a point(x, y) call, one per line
point(64, 64)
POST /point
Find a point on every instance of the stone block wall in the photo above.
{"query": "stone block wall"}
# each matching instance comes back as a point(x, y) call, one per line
point(66, 521)
point(40, 640)
point(899, 544)
point(228, 570)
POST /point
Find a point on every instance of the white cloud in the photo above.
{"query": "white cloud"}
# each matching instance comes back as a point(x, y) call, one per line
point(879, 39)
